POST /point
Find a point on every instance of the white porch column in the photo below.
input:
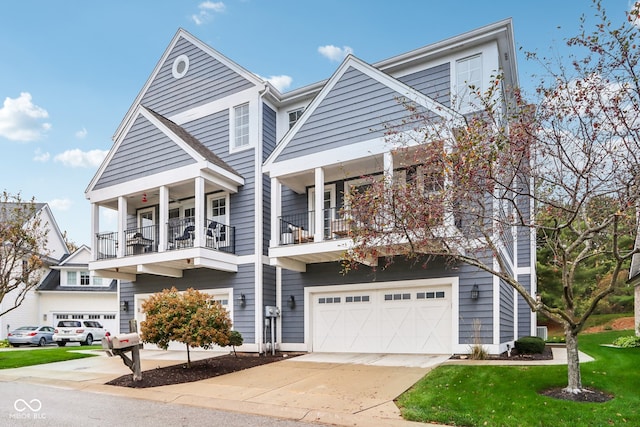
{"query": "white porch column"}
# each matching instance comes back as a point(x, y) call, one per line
point(318, 226)
point(276, 212)
point(95, 229)
point(200, 212)
point(122, 225)
point(388, 166)
point(163, 218)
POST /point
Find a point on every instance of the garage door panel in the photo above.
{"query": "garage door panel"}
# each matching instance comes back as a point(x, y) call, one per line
point(411, 320)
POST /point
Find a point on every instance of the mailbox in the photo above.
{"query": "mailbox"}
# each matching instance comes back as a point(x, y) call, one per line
point(125, 341)
point(106, 343)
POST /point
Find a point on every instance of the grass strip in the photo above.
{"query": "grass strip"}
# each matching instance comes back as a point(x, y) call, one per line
point(29, 357)
point(508, 395)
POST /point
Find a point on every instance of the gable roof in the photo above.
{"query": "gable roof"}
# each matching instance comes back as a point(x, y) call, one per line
point(380, 79)
point(184, 148)
point(193, 142)
point(58, 249)
point(183, 35)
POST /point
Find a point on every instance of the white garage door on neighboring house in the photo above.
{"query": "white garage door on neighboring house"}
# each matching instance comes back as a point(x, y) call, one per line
point(107, 320)
point(395, 320)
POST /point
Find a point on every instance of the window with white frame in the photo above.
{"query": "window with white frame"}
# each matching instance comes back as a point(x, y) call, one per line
point(97, 281)
point(72, 278)
point(294, 116)
point(240, 126)
point(85, 279)
point(468, 75)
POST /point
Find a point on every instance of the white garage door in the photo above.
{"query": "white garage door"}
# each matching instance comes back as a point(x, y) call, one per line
point(408, 320)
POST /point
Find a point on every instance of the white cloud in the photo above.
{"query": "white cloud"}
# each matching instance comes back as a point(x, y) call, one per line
point(39, 156)
point(21, 120)
point(281, 83)
point(335, 53)
point(81, 159)
point(206, 10)
point(81, 134)
point(60, 204)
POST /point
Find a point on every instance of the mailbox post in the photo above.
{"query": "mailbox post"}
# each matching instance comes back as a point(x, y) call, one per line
point(123, 343)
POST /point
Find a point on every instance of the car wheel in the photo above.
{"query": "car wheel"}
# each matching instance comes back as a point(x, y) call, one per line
point(89, 340)
point(42, 342)
point(61, 343)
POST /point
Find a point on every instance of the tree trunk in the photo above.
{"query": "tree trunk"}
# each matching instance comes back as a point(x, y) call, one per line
point(188, 357)
point(573, 362)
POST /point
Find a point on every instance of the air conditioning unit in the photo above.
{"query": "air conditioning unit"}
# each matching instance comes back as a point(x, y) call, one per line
point(541, 331)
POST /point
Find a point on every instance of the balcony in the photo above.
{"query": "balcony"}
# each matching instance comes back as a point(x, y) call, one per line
point(184, 248)
point(297, 243)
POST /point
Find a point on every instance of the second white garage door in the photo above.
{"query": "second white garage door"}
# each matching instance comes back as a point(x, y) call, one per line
point(407, 320)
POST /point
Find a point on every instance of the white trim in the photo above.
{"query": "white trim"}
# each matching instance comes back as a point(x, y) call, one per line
point(252, 127)
point(452, 282)
point(383, 78)
point(182, 59)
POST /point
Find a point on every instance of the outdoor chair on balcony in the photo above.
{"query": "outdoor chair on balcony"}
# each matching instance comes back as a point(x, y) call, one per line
point(300, 235)
point(213, 234)
point(186, 239)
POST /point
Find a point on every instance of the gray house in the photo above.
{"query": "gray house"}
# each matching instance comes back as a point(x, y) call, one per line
point(224, 184)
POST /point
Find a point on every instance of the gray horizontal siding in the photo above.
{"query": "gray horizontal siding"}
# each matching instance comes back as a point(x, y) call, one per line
point(356, 109)
point(206, 80)
point(524, 311)
point(325, 274)
point(268, 145)
point(144, 151)
point(241, 282)
point(507, 312)
point(213, 132)
point(433, 82)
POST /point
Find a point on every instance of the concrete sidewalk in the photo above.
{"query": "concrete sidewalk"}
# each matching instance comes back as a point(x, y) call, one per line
point(338, 389)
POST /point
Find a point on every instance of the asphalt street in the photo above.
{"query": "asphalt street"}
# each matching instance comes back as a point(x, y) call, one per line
point(23, 404)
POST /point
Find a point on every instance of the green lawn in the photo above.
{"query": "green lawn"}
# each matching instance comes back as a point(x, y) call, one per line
point(35, 356)
point(508, 396)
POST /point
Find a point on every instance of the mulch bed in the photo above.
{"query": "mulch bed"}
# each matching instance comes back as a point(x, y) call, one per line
point(546, 354)
point(199, 370)
point(588, 395)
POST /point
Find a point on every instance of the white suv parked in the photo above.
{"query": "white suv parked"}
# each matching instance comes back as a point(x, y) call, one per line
point(83, 331)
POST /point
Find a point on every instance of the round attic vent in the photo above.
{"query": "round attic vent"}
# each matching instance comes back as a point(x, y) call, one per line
point(180, 66)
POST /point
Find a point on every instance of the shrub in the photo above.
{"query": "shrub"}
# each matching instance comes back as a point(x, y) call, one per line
point(4, 344)
point(530, 345)
point(627, 341)
point(235, 340)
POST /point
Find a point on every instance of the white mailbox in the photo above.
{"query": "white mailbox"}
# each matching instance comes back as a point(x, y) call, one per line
point(125, 341)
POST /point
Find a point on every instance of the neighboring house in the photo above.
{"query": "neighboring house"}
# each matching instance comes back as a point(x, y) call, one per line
point(217, 177)
point(28, 312)
point(70, 291)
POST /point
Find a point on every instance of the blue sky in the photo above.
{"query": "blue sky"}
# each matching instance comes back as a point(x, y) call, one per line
point(70, 69)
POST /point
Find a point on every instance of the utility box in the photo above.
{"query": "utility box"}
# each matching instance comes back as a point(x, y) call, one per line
point(271, 311)
point(125, 341)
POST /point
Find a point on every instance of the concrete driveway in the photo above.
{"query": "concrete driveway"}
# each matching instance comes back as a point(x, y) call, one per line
point(341, 389)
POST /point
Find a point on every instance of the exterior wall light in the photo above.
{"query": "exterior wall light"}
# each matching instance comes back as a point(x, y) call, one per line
point(292, 302)
point(475, 292)
point(242, 300)
point(124, 305)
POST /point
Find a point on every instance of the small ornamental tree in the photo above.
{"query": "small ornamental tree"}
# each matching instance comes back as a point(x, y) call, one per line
point(23, 240)
point(189, 317)
point(565, 167)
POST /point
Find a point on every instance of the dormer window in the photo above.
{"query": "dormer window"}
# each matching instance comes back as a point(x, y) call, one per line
point(294, 116)
point(468, 75)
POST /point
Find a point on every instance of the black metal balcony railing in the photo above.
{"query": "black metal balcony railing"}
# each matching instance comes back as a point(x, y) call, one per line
point(216, 235)
point(107, 245)
point(141, 240)
point(180, 235)
point(300, 228)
